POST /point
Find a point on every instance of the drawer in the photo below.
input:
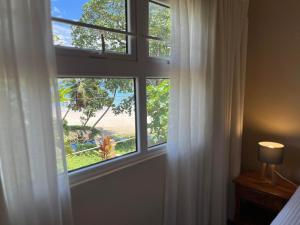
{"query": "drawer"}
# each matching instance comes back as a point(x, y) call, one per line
point(263, 199)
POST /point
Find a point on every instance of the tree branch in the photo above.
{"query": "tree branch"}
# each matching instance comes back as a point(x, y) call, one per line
point(87, 120)
point(108, 108)
point(64, 117)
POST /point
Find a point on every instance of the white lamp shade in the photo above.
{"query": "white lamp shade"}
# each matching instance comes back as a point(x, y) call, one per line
point(270, 152)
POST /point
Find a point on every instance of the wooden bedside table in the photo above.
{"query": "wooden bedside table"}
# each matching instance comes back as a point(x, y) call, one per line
point(250, 187)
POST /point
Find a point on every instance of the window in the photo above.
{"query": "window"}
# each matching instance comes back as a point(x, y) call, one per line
point(157, 110)
point(91, 24)
point(159, 29)
point(98, 119)
point(113, 80)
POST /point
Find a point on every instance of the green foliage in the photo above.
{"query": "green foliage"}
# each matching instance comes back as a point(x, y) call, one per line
point(89, 95)
point(83, 96)
point(93, 131)
point(159, 26)
point(112, 14)
point(71, 137)
point(84, 146)
point(64, 94)
point(68, 148)
point(105, 13)
point(126, 106)
point(128, 145)
point(66, 127)
point(157, 107)
point(77, 161)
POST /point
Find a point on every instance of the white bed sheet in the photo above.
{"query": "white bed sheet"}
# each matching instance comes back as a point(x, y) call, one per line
point(290, 214)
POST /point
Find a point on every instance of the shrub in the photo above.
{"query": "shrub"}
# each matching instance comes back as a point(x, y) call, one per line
point(78, 128)
point(84, 146)
point(68, 148)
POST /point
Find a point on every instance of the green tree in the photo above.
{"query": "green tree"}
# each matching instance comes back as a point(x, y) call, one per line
point(157, 107)
point(112, 14)
point(92, 95)
point(64, 99)
point(159, 26)
point(105, 13)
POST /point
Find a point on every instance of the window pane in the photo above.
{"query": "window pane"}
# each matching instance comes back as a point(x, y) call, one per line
point(72, 36)
point(159, 48)
point(98, 119)
point(157, 110)
point(106, 13)
point(159, 26)
point(88, 38)
point(159, 21)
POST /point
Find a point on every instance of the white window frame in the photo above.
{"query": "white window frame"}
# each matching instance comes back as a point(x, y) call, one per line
point(138, 65)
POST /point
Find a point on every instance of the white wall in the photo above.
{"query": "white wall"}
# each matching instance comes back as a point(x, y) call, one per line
point(272, 102)
point(132, 196)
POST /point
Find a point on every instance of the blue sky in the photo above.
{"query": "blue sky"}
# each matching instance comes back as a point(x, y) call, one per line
point(68, 9)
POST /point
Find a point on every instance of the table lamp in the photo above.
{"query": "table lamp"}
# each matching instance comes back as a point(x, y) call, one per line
point(270, 154)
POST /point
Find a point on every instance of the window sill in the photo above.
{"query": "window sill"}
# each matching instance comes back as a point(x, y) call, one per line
point(99, 170)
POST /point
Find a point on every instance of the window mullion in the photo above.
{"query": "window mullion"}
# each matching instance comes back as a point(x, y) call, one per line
point(142, 54)
point(141, 113)
point(131, 27)
point(142, 30)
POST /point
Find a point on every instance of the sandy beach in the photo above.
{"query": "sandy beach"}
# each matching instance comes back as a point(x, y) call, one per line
point(122, 124)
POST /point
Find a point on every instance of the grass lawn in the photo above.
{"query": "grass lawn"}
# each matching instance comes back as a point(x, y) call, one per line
point(85, 159)
point(77, 161)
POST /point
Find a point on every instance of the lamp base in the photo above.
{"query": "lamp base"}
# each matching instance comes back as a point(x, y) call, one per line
point(263, 171)
point(268, 172)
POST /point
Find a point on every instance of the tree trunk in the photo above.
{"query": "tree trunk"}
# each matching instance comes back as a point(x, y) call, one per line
point(100, 118)
point(87, 120)
point(64, 117)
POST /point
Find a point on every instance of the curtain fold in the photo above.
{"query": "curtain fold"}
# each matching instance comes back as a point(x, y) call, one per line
point(34, 181)
point(206, 109)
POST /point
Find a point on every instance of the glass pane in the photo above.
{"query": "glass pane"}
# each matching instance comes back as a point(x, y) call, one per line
point(88, 38)
point(159, 21)
point(98, 119)
point(72, 36)
point(159, 48)
point(115, 42)
point(157, 110)
point(106, 13)
point(159, 26)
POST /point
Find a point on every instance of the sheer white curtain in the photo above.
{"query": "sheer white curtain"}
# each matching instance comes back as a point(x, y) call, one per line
point(34, 186)
point(209, 50)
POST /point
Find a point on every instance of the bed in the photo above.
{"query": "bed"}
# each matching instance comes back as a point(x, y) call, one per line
point(290, 214)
